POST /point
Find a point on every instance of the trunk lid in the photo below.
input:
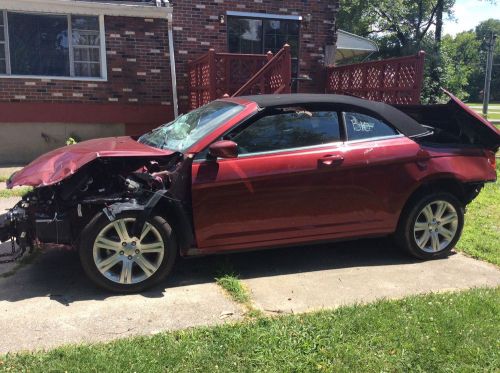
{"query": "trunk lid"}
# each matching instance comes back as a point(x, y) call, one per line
point(487, 134)
point(61, 163)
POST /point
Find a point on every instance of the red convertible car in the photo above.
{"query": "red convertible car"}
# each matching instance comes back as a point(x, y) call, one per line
point(252, 173)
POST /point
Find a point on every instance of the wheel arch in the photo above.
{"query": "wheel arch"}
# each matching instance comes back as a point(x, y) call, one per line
point(162, 204)
point(464, 192)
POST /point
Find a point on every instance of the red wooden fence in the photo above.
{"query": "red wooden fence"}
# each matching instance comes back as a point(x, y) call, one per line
point(394, 81)
point(214, 75)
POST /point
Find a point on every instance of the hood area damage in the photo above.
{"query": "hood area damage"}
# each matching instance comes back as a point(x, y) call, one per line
point(74, 184)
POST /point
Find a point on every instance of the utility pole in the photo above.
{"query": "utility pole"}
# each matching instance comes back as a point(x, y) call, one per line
point(489, 67)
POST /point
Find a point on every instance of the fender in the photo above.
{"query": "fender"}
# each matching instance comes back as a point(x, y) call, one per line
point(167, 206)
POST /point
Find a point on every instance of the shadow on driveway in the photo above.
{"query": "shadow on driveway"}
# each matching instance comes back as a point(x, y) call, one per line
point(58, 274)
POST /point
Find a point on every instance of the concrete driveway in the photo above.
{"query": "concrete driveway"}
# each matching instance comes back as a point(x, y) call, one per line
point(50, 302)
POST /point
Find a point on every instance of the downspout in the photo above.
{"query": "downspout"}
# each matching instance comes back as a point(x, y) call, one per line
point(171, 52)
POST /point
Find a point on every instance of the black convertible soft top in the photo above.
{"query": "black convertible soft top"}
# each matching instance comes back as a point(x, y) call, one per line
point(404, 123)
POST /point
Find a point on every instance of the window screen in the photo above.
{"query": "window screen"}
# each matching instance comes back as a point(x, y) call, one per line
point(280, 32)
point(38, 44)
point(86, 46)
point(361, 126)
point(288, 131)
point(244, 35)
point(50, 45)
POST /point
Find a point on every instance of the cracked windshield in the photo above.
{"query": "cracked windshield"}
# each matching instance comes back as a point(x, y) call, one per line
point(186, 130)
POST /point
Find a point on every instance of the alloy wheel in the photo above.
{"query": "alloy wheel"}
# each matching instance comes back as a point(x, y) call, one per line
point(436, 226)
point(124, 259)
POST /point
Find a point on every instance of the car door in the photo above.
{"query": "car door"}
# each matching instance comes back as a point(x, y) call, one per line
point(387, 165)
point(289, 184)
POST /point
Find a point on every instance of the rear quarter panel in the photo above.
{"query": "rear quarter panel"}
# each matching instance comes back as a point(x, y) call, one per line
point(467, 165)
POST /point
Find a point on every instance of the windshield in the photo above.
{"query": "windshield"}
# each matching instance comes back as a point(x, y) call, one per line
point(186, 130)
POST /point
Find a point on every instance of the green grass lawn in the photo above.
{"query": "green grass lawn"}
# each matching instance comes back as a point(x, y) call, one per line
point(493, 116)
point(481, 234)
point(451, 332)
point(493, 109)
point(16, 192)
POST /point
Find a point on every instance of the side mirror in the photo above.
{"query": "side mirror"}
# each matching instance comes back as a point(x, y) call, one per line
point(223, 149)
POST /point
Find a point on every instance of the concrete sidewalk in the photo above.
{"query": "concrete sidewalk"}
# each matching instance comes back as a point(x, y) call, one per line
point(50, 302)
point(309, 291)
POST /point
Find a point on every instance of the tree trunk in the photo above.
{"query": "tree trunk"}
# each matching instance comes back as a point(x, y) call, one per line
point(436, 65)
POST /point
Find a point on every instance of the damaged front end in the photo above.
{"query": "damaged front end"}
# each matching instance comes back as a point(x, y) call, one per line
point(54, 216)
point(13, 227)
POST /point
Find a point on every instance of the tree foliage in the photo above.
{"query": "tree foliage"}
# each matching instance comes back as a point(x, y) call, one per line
point(399, 26)
point(403, 27)
point(465, 61)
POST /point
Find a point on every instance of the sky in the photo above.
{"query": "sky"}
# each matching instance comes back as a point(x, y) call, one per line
point(469, 13)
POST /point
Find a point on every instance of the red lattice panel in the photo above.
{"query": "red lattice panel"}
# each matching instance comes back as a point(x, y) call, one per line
point(395, 81)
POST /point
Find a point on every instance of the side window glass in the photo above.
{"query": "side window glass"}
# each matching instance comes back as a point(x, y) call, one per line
point(288, 130)
point(361, 126)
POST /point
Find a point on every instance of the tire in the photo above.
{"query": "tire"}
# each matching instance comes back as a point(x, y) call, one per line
point(134, 266)
point(424, 233)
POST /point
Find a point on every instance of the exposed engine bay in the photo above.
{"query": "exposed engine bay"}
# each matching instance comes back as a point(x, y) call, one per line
point(54, 216)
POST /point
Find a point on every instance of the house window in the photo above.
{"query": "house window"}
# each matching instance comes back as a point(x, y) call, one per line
point(245, 35)
point(44, 45)
point(258, 34)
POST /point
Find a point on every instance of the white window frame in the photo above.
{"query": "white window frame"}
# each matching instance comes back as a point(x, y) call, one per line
point(102, 52)
point(5, 43)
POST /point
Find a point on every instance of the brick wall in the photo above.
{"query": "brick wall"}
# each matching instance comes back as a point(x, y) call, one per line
point(137, 53)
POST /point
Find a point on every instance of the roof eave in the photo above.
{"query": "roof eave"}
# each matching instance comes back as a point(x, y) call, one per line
point(87, 8)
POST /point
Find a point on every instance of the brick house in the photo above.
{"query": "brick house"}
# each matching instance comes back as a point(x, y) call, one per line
point(101, 68)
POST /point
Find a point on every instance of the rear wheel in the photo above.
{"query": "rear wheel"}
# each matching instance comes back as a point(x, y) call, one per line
point(431, 226)
point(116, 260)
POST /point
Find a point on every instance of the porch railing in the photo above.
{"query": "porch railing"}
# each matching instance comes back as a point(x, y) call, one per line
point(215, 75)
point(394, 81)
point(275, 77)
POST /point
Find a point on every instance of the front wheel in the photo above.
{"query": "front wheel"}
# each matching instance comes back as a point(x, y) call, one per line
point(115, 260)
point(431, 226)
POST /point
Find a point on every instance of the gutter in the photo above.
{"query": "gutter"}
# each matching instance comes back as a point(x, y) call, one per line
point(171, 54)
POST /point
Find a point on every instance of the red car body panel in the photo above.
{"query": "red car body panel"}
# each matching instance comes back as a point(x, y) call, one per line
point(335, 191)
point(58, 164)
point(292, 197)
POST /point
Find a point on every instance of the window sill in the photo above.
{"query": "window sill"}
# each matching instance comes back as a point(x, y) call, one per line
point(38, 77)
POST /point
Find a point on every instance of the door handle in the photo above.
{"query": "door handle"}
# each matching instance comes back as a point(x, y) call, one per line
point(330, 160)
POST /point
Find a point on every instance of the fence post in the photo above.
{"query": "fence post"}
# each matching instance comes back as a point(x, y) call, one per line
point(419, 73)
point(264, 83)
point(287, 69)
point(212, 79)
